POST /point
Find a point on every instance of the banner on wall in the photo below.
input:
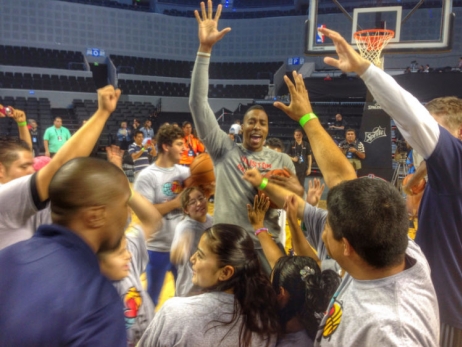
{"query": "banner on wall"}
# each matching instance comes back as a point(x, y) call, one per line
point(375, 133)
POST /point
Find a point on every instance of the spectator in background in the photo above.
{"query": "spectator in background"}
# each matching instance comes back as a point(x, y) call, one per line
point(460, 63)
point(175, 125)
point(275, 144)
point(123, 136)
point(55, 137)
point(148, 132)
point(193, 146)
point(300, 153)
point(353, 149)
point(140, 153)
point(35, 137)
point(235, 137)
point(135, 126)
point(339, 123)
point(236, 127)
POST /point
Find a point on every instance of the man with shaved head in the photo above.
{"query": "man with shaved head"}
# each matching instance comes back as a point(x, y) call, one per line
point(52, 283)
point(231, 159)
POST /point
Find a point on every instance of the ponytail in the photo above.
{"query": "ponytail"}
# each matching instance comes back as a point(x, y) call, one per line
point(309, 289)
point(255, 300)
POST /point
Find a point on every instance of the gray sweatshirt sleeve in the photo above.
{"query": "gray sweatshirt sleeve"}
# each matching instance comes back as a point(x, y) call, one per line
point(216, 141)
point(414, 121)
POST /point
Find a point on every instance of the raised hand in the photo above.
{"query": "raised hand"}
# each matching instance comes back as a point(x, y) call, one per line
point(208, 27)
point(291, 208)
point(253, 176)
point(299, 103)
point(257, 213)
point(18, 115)
point(348, 59)
point(315, 190)
point(107, 99)
point(115, 155)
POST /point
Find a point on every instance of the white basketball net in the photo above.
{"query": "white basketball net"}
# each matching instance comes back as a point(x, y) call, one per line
point(371, 43)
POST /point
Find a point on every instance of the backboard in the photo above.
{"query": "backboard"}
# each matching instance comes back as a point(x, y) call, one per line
point(424, 26)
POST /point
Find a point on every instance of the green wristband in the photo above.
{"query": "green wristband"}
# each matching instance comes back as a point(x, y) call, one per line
point(263, 183)
point(22, 124)
point(306, 118)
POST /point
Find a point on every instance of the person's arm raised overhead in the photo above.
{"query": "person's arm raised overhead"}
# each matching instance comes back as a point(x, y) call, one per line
point(300, 244)
point(20, 118)
point(83, 141)
point(414, 121)
point(333, 164)
point(203, 116)
point(256, 215)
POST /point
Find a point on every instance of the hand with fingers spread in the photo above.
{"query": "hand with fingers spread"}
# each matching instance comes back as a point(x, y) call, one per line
point(299, 103)
point(107, 99)
point(257, 212)
point(348, 59)
point(208, 27)
point(290, 183)
point(315, 190)
point(115, 155)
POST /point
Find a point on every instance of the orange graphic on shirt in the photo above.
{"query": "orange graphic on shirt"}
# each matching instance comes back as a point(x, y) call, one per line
point(334, 316)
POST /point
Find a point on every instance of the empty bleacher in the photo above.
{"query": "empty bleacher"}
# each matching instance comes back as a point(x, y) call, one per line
point(35, 108)
point(30, 81)
point(41, 57)
point(182, 69)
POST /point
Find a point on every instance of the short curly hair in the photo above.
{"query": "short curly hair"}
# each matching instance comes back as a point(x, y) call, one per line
point(166, 135)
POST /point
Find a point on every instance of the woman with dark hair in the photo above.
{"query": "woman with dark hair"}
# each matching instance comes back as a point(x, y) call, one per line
point(187, 235)
point(238, 307)
point(193, 146)
point(303, 293)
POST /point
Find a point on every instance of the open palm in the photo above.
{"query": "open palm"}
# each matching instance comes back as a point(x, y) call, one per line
point(208, 26)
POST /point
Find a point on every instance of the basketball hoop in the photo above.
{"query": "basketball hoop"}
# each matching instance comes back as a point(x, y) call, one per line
point(371, 42)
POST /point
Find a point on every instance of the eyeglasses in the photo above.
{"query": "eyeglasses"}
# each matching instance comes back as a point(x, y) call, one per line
point(198, 200)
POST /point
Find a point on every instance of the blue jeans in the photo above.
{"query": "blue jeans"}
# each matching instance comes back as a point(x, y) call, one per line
point(159, 264)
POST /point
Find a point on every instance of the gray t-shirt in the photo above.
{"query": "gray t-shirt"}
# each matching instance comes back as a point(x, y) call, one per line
point(193, 322)
point(20, 216)
point(159, 185)
point(399, 310)
point(188, 227)
point(315, 219)
point(298, 339)
point(138, 307)
point(232, 193)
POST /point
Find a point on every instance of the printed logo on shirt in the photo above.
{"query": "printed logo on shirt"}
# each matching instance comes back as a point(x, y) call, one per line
point(247, 163)
point(132, 302)
point(172, 188)
point(334, 317)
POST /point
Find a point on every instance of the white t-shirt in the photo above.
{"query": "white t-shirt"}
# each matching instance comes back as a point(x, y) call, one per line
point(194, 321)
point(160, 185)
point(399, 310)
point(21, 213)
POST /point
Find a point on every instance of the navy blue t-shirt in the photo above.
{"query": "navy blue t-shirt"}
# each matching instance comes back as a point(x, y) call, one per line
point(53, 294)
point(440, 226)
